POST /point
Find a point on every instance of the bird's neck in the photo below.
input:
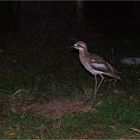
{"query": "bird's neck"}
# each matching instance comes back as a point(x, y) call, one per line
point(83, 52)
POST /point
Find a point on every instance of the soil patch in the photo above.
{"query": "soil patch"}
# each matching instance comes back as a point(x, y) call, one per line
point(54, 108)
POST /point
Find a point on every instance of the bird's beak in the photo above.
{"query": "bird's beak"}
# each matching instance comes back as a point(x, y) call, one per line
point(71, 46)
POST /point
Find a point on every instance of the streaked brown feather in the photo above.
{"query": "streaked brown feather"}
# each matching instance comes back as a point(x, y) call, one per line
point(100, 64)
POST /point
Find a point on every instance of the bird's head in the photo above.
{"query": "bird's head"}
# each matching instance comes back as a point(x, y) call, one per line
point(80, 45)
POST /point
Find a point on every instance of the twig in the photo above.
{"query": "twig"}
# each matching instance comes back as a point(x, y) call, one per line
point(135, 130)
point(38, 80)
point(128, 128)
point(19, 91)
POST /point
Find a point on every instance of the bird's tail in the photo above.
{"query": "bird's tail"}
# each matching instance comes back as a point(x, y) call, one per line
point(114, 76)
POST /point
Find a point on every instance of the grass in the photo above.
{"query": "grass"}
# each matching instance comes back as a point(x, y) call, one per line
point(51, 70)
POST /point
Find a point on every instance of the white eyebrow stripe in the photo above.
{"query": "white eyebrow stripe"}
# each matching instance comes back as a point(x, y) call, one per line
point(82, 45)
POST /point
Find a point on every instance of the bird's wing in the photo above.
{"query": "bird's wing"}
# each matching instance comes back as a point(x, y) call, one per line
point(110, 68)
point(100, 64)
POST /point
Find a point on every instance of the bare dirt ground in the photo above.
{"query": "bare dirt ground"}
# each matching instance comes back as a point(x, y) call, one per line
point(53, 108)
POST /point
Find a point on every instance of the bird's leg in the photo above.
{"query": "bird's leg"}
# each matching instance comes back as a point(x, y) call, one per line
point(95, 90)
point(100, 83)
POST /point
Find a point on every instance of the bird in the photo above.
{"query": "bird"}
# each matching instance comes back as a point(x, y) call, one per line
point(95, 64)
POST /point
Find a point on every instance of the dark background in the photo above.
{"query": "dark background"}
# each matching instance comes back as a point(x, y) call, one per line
point(58, 21)
point(58, 17)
